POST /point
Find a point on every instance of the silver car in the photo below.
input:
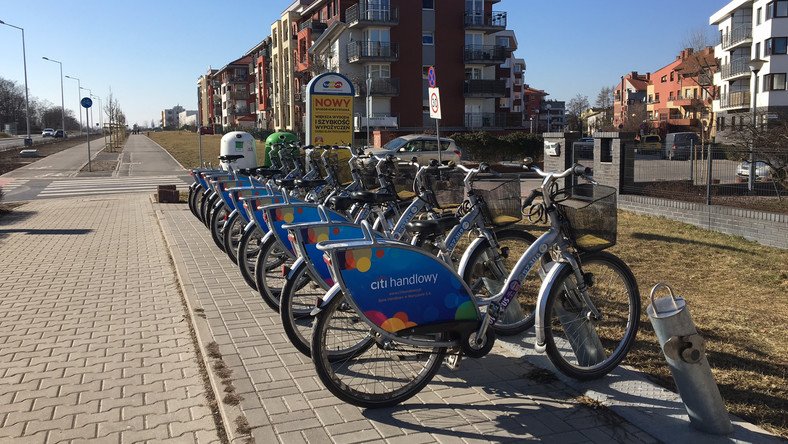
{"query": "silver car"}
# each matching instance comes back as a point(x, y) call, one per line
point(423, 147)
point(762, 169)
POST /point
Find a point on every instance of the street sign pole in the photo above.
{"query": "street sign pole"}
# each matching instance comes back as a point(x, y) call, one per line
point(435, 107)
point(87, 103)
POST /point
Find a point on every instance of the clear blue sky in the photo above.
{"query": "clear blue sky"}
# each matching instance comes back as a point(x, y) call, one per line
point(151, 53)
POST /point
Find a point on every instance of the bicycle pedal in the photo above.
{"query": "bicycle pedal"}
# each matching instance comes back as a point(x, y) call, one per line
point(453, 361)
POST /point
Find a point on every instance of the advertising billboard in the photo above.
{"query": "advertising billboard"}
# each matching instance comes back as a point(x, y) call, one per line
point(329, 116)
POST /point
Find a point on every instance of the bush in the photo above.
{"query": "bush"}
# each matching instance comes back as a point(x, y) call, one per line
point(482, 146)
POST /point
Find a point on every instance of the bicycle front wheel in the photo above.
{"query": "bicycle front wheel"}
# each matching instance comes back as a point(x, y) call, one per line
point(578, 343)
point(248, 250)
point(487, 271)
point(231, 234)
point(218, 218)
point(381, 373)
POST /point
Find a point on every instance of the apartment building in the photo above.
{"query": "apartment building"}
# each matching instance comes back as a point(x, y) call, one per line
point(387, 59)
point(260, 68)
point(679, 95)
point(629, 100)
point(552, 116)
point(169, 117)
point(205, 98)
point(532, 103)
point(232, 100)
point(753, 58)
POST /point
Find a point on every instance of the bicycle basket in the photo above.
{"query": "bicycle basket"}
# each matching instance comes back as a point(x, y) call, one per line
point(315, 157)
point(404, 176)
point(502, 196)
point(369, 175)
point(338, 164)
point(590, 213)
point(445, 188)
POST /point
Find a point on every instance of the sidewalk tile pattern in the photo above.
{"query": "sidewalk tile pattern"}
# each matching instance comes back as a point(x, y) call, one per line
point(94, 343)
point(493, 399)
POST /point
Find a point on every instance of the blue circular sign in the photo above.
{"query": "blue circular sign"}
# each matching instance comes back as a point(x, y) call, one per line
point(431, 76)
point(86, 102)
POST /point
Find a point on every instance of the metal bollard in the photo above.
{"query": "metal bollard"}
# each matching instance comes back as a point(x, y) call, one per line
point(685, 352)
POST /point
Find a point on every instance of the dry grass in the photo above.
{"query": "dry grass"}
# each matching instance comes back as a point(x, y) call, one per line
point(185, 148)
point(737, 294)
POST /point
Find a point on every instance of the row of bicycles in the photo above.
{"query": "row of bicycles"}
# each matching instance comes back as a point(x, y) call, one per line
point(382, 270)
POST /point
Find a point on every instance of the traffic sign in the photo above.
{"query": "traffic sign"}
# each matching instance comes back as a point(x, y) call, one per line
point(435, 103)
point(431, 76)
point(86, 102)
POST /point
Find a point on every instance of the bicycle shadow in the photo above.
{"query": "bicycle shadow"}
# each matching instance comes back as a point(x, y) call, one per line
point(497, 398)
point(678, 240)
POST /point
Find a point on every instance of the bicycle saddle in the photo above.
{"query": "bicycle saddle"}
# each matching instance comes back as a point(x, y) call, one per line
point(370, 197)
point(432, 226)
point(310, 183)
point(231, 157)
point(340, 203)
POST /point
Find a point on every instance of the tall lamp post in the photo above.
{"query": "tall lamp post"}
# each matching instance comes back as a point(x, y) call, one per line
point(29, 140)
point(547, 107)
point(79, 86)
point(62, 101)
point(755, 65)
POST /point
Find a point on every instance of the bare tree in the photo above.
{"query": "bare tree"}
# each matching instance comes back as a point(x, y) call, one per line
point(699, 68)
point(604, 101)
point(574, 112)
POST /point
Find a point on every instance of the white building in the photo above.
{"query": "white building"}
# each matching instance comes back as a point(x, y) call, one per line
point(750, 30)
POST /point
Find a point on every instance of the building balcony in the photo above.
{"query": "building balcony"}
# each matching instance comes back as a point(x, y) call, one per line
point(484, 88)
point(372, 52)
point(238, 95)
point(238, 79)
point(737, 68)
point(734, 100)
point(375, 121)
point(737, 37)
point(360, 16)
point(485, 120)
point(683, 122)
point(685, 101)
point(379, 87)
point(484, 54)
point(316, 26)
point(488, 22)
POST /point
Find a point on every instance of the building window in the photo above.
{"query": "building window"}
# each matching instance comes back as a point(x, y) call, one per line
point(664, 79)
point(758, 16)
point(758, 50)
point(671, 76)
point(427, 38)
point(776, 45)
point(777, 9)
point(774, 82)
point(428, 4)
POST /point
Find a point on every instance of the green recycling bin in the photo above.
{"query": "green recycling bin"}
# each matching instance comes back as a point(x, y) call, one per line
point(280, 137)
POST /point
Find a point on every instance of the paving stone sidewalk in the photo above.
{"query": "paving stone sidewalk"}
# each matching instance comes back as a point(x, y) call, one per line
point(499, 398)
point(94, 341)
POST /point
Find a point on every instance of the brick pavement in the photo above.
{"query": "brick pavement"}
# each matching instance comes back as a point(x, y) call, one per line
point(94, 343)
point(498, 398)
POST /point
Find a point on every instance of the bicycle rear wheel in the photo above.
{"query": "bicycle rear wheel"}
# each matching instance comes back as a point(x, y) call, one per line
point(231, 235)
point(295, 306)
point(486, 275)
point(218, 219)
point(268, 271)
point(381, 373)
point(579, 345)
point(248, 250)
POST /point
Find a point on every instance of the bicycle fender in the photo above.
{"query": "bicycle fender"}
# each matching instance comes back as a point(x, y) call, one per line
point(293, 268)
point(250, 226)
point(330, 294)
point(541, 304)
point(466, 256)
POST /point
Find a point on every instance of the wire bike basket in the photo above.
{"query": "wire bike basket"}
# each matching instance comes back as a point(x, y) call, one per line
point(446, 188)
point(590, 215)
point(502, 198)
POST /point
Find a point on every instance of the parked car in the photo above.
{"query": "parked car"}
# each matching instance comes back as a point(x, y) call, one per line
point(679, 145)
point(423, 147)
point(206, 130)
point(48, 132)
point(650, 144)
point(60, 133)
point(762, 169)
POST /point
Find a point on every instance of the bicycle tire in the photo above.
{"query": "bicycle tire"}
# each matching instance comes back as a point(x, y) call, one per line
point(570, 334)
point(206, 196)
point(218, 219)
point(231, 234)
point(268, 271)
point(295, 306)
point(208, 209)
point(375, 376)
point(485, 280)
point(248, 249)
point(195, 193)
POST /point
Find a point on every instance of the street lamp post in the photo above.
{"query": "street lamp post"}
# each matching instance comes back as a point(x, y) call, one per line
point(29, 140)
point(62, 101)
point(547, 107)
point(79, 86)
point(101, 121)
point(755, 65)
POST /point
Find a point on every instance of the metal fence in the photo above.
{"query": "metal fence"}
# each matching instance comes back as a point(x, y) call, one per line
point(710, 174)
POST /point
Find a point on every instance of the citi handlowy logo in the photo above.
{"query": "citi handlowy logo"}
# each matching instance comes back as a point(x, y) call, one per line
point(384, 282)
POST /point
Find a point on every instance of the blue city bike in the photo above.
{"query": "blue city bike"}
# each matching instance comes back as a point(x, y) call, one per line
point(395, 311)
